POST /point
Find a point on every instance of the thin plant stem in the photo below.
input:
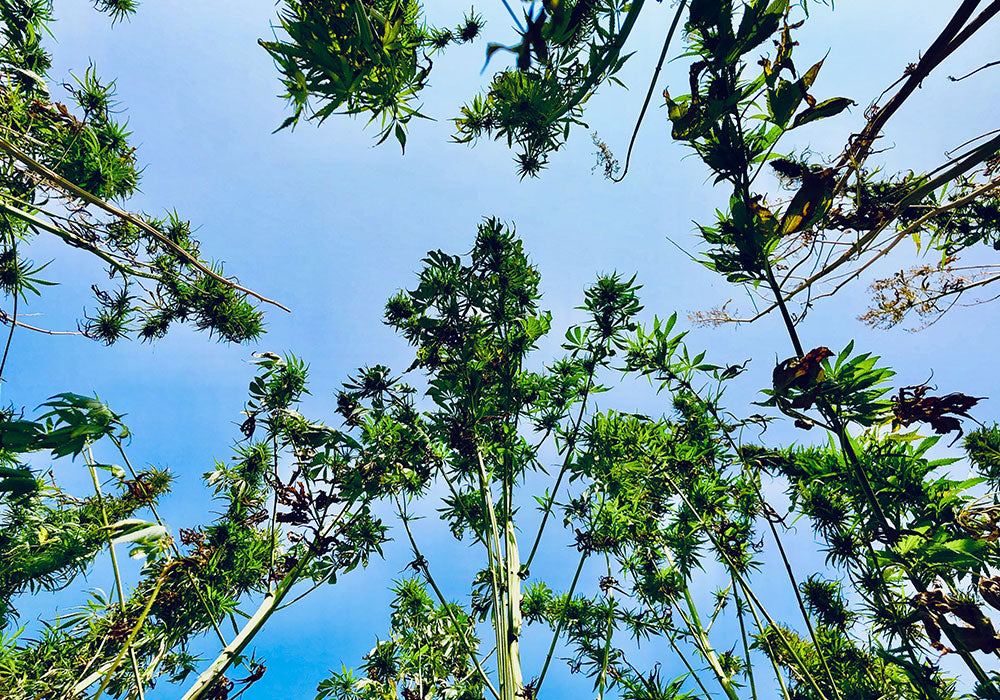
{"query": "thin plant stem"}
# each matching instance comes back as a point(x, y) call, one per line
point(441, 599)
point(710, 406)
point(771, 654)
point(743, 637)
point(10, 336)
point(131, 639)
point(118, 582)
point(607, 642)
point(652, 86)
point(672, 638)
point(570, 447)
point(840, 431)
point(173, 546)
point(559, 623)
point(701, 641)
point(271, 604)
point(274, 503)
point(747, 590)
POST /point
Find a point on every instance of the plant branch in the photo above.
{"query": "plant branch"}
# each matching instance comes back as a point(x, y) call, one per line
point(185, 255)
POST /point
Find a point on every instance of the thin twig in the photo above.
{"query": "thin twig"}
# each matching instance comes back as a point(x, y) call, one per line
point(5, 318)
point(559, 622)
point(652, 87)
point(10, 335)
point(570, 447)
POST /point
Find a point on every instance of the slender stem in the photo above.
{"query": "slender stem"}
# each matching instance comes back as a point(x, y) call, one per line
point(271, 604)
point(517, 20)
point(941, 48)
point(771, 655)
point(719, 605)
point(131, 639)
point(570, 446)
point(73, 240)
point(173, 545)
point(743, 636)
point(711, 407)
point(785, 316)
point(607, 642)
point(118, 583)
point(840, 430)
point(13, 318)
point(338, 517)
point(96, 655)
point(10, 335)
point(747, 590)
point(441, 599)
point(672, 638)
point(652, 87)
point(559, 623)
point(5, 318)
point(272, 525)
point(705, 646)
point(798, 599)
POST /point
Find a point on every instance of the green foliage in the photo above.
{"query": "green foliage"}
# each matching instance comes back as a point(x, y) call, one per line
point(364, 57)
point(983, 446)
point(660, 505)
point(423, 656)
point(58, 172)
point(49, 537)
point(359, 56)
point(859, 673)
point(566, 51)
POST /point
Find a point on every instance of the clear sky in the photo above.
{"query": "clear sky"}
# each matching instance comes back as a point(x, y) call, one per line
point(331, 225)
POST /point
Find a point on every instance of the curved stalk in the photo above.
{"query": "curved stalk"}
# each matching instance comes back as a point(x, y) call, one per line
point(652, 86)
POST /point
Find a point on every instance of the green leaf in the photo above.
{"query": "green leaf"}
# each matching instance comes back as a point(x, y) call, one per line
point(826, 108)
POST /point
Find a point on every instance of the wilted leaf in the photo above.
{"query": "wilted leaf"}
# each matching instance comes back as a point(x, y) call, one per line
point(800, 372)
point(912, 405)
point(810, 202)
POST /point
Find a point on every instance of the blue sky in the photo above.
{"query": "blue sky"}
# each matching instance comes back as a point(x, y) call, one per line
point(331, 225)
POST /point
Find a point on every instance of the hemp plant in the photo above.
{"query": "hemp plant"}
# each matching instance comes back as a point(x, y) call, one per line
point(60, 174)
point(65, 172)
point(659, 506)
point(891, 523)
point(295, 514)
point(566, 50)
point(912, 555)
point(374, 57)
point(486, 421)
point(662, 500)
